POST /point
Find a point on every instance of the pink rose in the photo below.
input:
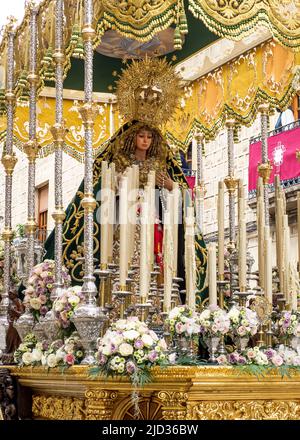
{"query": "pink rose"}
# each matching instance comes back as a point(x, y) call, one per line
point(69, 359)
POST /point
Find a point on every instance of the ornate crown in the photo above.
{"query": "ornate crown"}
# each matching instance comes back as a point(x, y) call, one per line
point(148, 91)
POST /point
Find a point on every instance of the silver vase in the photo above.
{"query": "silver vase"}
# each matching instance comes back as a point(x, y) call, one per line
point(24, 324)
point(213, 344)
point(241, 342)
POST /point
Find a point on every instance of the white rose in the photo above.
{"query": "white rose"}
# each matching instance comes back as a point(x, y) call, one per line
point(58, 306)
point(174, 313)
point(74, 300)
point(205, 315)
point(35, 303)
point(148, 341)
point(36, 355)
point(106, 350)
point(125, 349)
point(27, 358)
point(51, 360)
point(131, 335)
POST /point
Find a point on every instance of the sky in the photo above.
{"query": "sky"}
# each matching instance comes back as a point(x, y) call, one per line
point(12, 7)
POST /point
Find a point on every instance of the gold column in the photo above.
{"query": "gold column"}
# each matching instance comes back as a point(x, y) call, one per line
point(173, 404)
point(99, 404)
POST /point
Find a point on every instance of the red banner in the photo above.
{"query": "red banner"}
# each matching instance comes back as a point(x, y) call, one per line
point(282, 155)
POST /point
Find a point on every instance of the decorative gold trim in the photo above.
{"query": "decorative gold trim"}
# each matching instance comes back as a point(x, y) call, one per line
point(88, 112)
point(10, 96)
point(7, 234)
point(99, 404)
point(88, 33)
point(231, 183)
point(58, 132)
point(59, 57)
point(264, 108)
point(244, 410)
point(88, 203)
point(264, 171)
point(59, 215)
point(30, 226)
point(33, 78)
point(58, 408)
point(31, 149)
point(9, 161)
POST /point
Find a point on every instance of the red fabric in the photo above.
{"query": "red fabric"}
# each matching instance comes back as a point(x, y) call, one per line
point(158, 242)
point(289, 169)
point(191, 181)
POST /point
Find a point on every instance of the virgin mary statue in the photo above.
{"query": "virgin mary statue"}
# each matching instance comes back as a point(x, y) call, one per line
point(147, 95)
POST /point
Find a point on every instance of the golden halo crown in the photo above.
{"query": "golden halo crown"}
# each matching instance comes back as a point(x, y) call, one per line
point(148, 91)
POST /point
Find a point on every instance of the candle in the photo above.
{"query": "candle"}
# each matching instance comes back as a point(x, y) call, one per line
point(112, 201)
point(279, 238)
point(168, 255)
point(190, 258)
point(144, 267)
point(104, 212)
point(151, 220)
point(221, 230)
point(260, 237)
point(175, 192)
point(268, 265)
point(123, 191)
point(212, 273)
point(194, 155)
point(242, 258)
point(286, 250)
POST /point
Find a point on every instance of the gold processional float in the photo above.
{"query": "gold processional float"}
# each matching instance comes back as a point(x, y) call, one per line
point(194, 389)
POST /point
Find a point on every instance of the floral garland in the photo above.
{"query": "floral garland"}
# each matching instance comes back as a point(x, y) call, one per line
point(129, 348)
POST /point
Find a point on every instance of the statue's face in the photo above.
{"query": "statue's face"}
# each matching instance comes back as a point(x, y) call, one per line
point(143, 139)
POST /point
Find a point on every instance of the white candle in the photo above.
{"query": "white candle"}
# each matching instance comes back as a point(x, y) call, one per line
point(151, 220)
point(175, 192)
point(144, 266)
point(268, 265)
point(194, 155)
point(190, 258)
point(221, 230)
point(212, 274)
point(286, 259)
point(104, 211)
point(242, 260)
point(123, 208)
point(168, 255)
point(112, 202)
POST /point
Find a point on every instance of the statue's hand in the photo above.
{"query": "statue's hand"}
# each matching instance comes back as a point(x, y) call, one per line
point(164, 180)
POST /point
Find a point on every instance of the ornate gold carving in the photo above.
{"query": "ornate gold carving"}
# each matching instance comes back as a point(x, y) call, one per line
point(59, 57)
point(33, 78)
point(9, 161)
point(148, 91)
point(99, 404)
point(30, 226)
point(58, 408)
point(10, 96)
point(7, 234)
point(88, 203)
point(58, 215)
point(264, 171)
point(199, 136)
point(264, 108)
point(149, 408)
point(58, 132)
point(230, 122)
point(31, 149)
point(231, 183)
point(173, 404)
point(88, 33)
point(244, 410)
point(88, 114)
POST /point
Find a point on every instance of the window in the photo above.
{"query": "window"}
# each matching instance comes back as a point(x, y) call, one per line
point(42, 205)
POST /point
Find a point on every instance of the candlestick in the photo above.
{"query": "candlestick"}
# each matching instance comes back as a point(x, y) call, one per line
point(260, 237)
point(168, 255)
point(221, 230)
point(286, 250)
point(112, 211)
point(212, 274)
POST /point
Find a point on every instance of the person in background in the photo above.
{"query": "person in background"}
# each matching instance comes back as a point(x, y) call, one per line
point(285, 118)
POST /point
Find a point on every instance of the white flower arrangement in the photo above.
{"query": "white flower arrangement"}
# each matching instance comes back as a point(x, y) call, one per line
point(130, 348)
point(289, 323)
point(65, 305)
point(214, 321)
point(183, 321)
point(243, 321)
